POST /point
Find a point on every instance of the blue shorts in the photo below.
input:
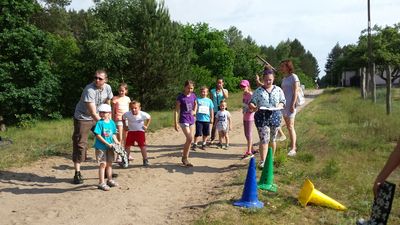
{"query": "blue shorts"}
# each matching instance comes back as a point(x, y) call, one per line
point(202, 129)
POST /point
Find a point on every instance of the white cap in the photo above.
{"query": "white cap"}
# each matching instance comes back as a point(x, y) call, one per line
point(104, 108)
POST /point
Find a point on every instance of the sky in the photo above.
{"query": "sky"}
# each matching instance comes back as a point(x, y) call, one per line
point(317, 24)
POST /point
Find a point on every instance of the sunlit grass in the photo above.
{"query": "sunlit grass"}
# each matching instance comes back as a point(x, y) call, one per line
point(343, 142)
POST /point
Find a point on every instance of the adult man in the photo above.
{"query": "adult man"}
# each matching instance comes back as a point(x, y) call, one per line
point(86, 116)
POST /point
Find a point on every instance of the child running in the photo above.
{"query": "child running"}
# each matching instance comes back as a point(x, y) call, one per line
point(137, 123)
point(223, 124)
point(105, 131)
point(204, 117)
point(185, 109)
point(120, 105)
point(248, 118)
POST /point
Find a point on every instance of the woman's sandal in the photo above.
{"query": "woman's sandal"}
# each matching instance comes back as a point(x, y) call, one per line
point(103, 187)
point(186, 162)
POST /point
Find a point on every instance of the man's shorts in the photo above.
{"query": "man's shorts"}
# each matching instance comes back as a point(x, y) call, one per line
point(135, 136)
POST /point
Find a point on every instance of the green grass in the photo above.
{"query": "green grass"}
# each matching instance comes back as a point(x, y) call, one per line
point(343, 143)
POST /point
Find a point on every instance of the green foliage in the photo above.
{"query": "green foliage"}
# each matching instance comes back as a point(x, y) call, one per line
point(26, 78)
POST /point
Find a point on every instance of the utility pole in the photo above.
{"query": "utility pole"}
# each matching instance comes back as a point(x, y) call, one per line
point(371, 69)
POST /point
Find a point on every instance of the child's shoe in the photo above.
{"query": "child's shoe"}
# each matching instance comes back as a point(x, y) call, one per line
point(226, 146)
point(112, 183)
point(219, 145)
point(194, 146)
point(247, 155)
point(103, 187)
point(146, 162)
point(203, 146)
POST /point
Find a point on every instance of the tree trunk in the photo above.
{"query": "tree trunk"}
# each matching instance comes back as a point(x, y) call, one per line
point(363, 83)
point(373, 83)
point(388, 90)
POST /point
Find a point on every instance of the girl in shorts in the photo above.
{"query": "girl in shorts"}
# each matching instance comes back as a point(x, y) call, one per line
point(185, 110)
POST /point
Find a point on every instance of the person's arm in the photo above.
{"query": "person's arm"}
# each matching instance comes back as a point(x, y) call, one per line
point(294, 97)
point(230, 121)
point(211, 115)
point(258, 82)
point(225, 93)
point(92, 111)
point(194, 108)
point(147, 123)
point(391, 164)
point(100, 138)
point(176, 114)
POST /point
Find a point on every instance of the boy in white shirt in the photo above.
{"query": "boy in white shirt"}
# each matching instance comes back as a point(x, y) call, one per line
point(136, 122)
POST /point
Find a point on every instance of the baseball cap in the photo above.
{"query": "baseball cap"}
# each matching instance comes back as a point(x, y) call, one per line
point(104, 108)
point(244, 83)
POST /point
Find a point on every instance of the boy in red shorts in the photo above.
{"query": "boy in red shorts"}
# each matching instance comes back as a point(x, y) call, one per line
point(136, 122)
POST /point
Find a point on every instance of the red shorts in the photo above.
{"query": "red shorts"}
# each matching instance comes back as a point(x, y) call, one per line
point(135, 136)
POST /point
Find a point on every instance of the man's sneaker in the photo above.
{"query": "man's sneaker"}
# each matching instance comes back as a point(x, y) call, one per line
point(261, 165)
point(226, 147)
point(292, 152)
point(146, 162)
point(203, 146)
point(219, 145)
point(194, 146)
point(78, 179)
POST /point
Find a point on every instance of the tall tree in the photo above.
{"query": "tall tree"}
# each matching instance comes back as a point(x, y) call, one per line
point(26, 78)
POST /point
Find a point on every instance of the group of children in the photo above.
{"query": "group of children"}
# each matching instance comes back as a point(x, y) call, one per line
point(125, 124)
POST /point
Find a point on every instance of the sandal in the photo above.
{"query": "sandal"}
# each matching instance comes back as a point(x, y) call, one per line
point(186, 162)
point(103, 187)
point(112, 183)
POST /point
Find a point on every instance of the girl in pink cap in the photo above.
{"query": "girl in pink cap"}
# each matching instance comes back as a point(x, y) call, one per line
point(248, 117)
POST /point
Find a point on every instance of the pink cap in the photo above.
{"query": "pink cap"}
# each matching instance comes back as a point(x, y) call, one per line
point(244, 83)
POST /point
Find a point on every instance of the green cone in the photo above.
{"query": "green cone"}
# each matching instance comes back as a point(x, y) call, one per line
point(267, 176)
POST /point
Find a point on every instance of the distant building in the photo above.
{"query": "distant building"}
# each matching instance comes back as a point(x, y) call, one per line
point(352, 78)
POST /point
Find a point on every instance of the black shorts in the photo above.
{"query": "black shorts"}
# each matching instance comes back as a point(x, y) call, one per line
point(202, 129)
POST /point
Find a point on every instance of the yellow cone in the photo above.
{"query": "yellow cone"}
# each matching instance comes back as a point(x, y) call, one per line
point(309, 194)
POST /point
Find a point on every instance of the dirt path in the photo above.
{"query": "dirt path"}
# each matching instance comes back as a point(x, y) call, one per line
point(164, 193)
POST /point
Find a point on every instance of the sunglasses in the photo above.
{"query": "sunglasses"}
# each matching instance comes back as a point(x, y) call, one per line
point(98, 78)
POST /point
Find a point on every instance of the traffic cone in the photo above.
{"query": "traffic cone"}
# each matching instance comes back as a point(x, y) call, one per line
point(309, 194)
point(267, 176)
point(249, 197)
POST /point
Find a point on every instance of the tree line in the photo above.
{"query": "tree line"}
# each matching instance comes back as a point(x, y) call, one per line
point(385, 43)
point(48, 54)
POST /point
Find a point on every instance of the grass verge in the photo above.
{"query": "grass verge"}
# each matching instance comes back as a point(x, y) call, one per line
point(343, 143)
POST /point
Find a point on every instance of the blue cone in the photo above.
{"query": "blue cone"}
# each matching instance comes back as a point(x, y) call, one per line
point(249, 196)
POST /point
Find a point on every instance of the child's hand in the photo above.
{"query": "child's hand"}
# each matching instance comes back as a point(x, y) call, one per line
point(144, 127)
point(176, 127)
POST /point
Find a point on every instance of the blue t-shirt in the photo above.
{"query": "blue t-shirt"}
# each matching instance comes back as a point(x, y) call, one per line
point(204, 107)
point(106, 130)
